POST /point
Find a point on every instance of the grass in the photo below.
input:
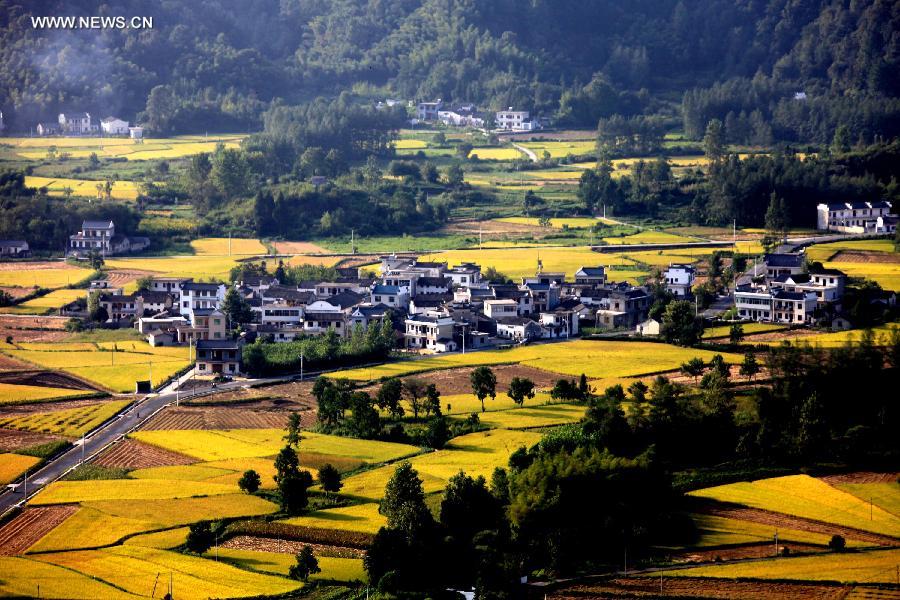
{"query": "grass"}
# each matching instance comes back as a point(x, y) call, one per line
point(13, 465)
point(11, 393)
point(884, 495)
point(358, 517)
point(227, 247)
point(724, 331)
point(522, 262)
point(864, 567)
point(596, 359)
point(23, 576)
point(64, 492)
point(721, 531)
point(136, 569)
point(807, 497)
point(72, 422)
point(52, 278)
point(213, 445)
point(336, 569)
point(48, 303)
point(475, 453)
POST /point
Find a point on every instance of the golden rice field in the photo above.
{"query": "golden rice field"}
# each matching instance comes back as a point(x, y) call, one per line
point(57, 186)
point(11, 393)
point(116, 371)
point(81, 147)
point(805, 496)
point(825, 251)
point(561, 149)
point(408, 144)
point(663, 258)
point(522, 262)
point(466, 404)
point(496, 153)
point(886, 274)
point(212, 445)
point(476, 453)
point(333, 568)
point(62, 492)
point(23, 276)
point(13, 465)
point(556, 223)
point(226, 471)
point(23, 576)
point(529, 417)
point(72, 422)
point(136, 569)
point(358, 517)
point(878, 566)
point(648, 237)
point(841, 338)
point(885, 495)
point(48, 303)
point(163, 540)
point(722, 531)
point(227, 246)
point(205, 267)
point(749, 328)
point(596, 359)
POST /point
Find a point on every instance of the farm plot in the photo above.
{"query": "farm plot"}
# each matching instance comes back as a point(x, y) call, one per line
point(22, 576)
point(135, 569)
point(333, 568)
point(358, 517)
point(11, 393)
point(520, 262)
point(806, 497)
point(529, 417)
point(71, 422)
point(476, 453)
point(885, 495)
point(662, 258)
point(723, 531)
point(132, 454)
point(61, 186)
point(831, 340)
point(47, 303)
point(749, 329)
point(65, 492)
point(298, 248)
point(227, 246)
point(648, 237)
point(872, 259)
point(596, 359)
point(556, 223)
point(26, 528)
point(877, 566)
point(496, 153)
point(197, 266)
point(698, 587)
point(13, 465)
point(163, 540)
point(218, 418)
point(49, 275)
point(561, 149)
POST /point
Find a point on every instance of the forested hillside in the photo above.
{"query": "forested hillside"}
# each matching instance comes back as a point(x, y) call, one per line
point(217, 65)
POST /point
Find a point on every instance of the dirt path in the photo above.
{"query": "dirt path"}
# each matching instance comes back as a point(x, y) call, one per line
point(529, 153)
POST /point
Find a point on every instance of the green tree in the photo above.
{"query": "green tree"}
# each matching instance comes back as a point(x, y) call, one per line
point(749, 368)
point(403, 502)
point(777, 217)
point(364, 420)
point(307, 564)
point(484, 384)
point(295, 424)
point(95, 259)
point(693, 368)
point(200, 538)
point(293, 492)
point(432, 404)
point(236, 308)
point(415, 390)
point(736, 333)
point(330, 478)
point(455, 176)
point(840, 143)
point(389, 396)
point(638, 390)
point(520, 388)
point(249, 481)
point(680, 326)
point(714, 141)
point(287, 463)
point(437, 432)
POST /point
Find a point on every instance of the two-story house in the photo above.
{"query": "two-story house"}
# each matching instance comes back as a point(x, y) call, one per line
point(433, 333)
point(679, 279)
point(218, 357)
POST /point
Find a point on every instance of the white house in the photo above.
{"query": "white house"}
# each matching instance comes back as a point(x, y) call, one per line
point(648, 327)
point(496, 309)
point(78, 123)
point(195, 296)
point(430, 333)
point(136, 133)
point(518, 328)
point(854, 217)
point(465, 274)
point(114, 126)
point(515, 120)
point(679, 279)
point(775, 306)
point(428, 111)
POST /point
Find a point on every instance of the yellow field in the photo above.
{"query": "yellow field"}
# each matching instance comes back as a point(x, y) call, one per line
point(135, 569)
point(571, 222)
point(807, 497)
point(561, 149)
point(89, 528)
point(22, 576)
point(72, 422)
point(749, 328)
point(565, 175)
point(163, 540)
point(337, 569)
point(13, 465)
point(476, 453)
point(522, 262)
point(496, 153)
point(409, 144)
point(885, 495)
point(16, 394)
point(56, 186)
point(531, 416)
point(721, 531)
point(886, 274)
point(663, 258)
point(211, 445)
point(825, 251)
point(841, 338)
point(44, 304)
point(22, 276)
point(78, 147)
point(596, 359)
point(196, 266)
point(62, 492)
point(869, 567)
point(226, 246)
point(359, 517)
point(648, 237)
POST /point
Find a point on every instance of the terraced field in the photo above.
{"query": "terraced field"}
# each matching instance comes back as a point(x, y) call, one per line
point(49, 275)
point(13, 465)
point(48, 303)
point(11, 393)
point(872, 259)
point(227, 246)
point(71, 422)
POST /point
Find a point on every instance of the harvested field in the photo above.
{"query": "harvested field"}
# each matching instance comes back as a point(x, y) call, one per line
point(15, 292)
point(122, 277)
point(22, 532)
point(295, 395)
point(32, 322)
point(784, 521)
point(298, 248)
point(264, 544)
point(12, 440)
point(762, 550)
point(452, 382)
point(696, 587)
point(860, 477)
point(7, 363)
point(30, 409)
point(220, 418)
point(862, 256)
point(44, 379)
point(132, 454)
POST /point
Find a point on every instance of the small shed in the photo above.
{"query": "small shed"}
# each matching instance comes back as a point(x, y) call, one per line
point(648, 327)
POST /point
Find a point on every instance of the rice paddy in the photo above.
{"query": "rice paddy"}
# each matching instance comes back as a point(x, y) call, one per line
point(358, 517)
point(561, 149)
point(24, 577)
point(150, 148)
point(71, 422)
point(12, 466)
point(62, 492)
point(47, 303)
point(45, 275)
point(11, 393)
point(722, 531)
point(227, 246)
point(332, 568)
point(496, 153)
point(65, 186)
point(205, 267)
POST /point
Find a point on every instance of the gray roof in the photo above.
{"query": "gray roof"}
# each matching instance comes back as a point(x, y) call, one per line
point(97, 225)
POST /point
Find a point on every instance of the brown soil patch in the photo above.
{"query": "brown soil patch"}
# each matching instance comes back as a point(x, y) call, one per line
point(14, 410)
point(494, 229)
point(698, 587)
point(44, 379)
point(32, 322)
point(12, 440)
point(860, 477)
point(132, 454)
point(456, 381)
point(774, 519)
point(295, 395)
point(183, 417)
point(299, 248)
point(8, 363)
point(865, 256)
point(31, 525)
point(566, 134)
point(34, 335)
point(763, 550)
point(16, 292)
point(777, 336)
point(121, 277)
point(360, 260)
point(262, 544)
point(34, 266)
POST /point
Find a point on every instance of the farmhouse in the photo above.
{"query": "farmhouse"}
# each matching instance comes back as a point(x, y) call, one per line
point(201, 295)
point(648, 327)
point(114, 126)
point(430, 332)
point(679, 279)
point(518, 328)
point(428, 111)
point(856, 217)
point(14, 249)
point(47, 128)
point(777, 305)
point(76, 123)
point(783, 264)
point(100, 236)
point(136, 133)
point(515, 120)
point(591, 275)
point(216, 357)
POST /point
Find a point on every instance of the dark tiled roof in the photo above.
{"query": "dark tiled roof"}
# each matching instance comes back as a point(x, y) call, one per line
point(97, 224)
point(592, 271)
point(345, 299)
point(218, 344)
point(433, 282)
point(193, 285)
point(784, 260)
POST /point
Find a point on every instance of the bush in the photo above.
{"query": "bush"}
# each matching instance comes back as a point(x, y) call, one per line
point(837, 543)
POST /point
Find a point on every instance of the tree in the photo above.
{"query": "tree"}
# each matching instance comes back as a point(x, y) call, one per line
point(437, 432)
point(330, 478)
point(307, 565)
point(717, 363)
point(736, 333)
point(432, 403)
point(463, 149)
point(749, 368)
point(364, 420)
point(200, 538)
point(403, 502)
point(638, 390)
point(144, 283)
point(292, 490)
point(714, 141)
point(414, 389)
point(484, 384)
point(693, 368)
point(680, 326)
point(236, 308)
point(389, 396)
point(293, 430)
point(249, 481)
point(777, 217)
point(837, 543)
point(95, 259)
point(455, 176)
point(287, 464)
point(520, 388)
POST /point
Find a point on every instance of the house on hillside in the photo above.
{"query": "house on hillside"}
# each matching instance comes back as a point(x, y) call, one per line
point(47, 128)
point(114, 126)
point(856, 217)
point(14, 249)
point(515, 120)
point(428, 111)
point(76, 123)
point(679, 279)
point(100, 236)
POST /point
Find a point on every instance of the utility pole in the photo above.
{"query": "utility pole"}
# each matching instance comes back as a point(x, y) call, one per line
point(82, 448)
point(25, 487)
point(464, 338)
point(229, 243)
point(776, 541)
point(479, 235)
point(301, 365)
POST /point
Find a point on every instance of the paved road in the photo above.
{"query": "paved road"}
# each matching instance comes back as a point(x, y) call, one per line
point(529, 153)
